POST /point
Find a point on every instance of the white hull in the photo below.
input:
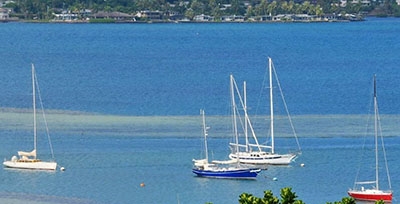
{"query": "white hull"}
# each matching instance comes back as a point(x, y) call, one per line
point(38, 165)
point(260, 158)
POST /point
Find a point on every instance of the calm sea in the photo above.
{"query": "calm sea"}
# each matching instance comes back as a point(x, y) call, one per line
point(123, 102)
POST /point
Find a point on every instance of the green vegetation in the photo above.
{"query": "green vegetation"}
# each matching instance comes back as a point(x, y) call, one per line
point(43, 9)
point(287, 197)
point(345, 200)
point(102, 20)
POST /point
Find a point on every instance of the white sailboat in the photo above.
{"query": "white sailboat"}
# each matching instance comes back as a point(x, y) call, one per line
point(256, 153)
point(375, 193)
point(29, 160)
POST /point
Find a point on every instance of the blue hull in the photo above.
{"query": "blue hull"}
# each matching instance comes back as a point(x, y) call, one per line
point(229, 174)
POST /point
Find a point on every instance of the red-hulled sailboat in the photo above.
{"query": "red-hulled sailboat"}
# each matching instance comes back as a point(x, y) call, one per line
point(374, 193)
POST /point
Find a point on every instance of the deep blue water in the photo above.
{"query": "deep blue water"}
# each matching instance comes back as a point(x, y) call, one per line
point(146, 83)
point(175, 69)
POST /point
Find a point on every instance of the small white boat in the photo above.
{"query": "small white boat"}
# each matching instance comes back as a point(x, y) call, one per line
point(29, 160)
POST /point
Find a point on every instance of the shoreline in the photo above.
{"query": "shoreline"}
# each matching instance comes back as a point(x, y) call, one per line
point(175, 22)
point(286, 18)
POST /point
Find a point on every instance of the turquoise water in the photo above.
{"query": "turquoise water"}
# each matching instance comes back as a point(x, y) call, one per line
point(123, 103)
point(109, 168)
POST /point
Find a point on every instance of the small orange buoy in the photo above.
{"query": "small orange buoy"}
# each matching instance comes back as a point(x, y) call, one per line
point(142, 185)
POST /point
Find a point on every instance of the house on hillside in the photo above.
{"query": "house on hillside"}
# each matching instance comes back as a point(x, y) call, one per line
point(65, 17)
point(150, 15)
point(232, 18)
point(203, 18)
point(118, 16)
point(4, 15)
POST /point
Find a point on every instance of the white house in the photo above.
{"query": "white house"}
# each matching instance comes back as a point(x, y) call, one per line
point(4, 14)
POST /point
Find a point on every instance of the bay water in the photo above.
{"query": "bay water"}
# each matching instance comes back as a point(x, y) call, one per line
point(123, 102)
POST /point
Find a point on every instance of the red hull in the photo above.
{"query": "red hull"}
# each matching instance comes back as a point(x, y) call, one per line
point(375, 196)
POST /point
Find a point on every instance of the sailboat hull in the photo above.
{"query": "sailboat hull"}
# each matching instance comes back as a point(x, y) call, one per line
point(228, 174)
point(260, 158)
point(371, 195)
point(32, 165)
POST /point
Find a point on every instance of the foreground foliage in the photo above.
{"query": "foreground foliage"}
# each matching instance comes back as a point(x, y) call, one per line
point(287, 197)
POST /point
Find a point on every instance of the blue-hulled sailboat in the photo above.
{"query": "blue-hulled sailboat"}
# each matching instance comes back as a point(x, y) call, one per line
point(231, 170)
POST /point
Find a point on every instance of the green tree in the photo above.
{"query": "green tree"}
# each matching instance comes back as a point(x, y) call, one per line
point(271, 8)
point(270, 198)
point(246, 198)
point(318, 10)
point(262, 8)
point(14, 6)
point(189, 14)
point(250, 12)
point(180, 6)
point(236, 8)
point(287, 197)
point(214, 7)
point(306, 7)
point(197, 7)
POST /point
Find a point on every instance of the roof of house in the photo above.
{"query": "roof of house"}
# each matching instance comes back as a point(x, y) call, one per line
point(102, 14)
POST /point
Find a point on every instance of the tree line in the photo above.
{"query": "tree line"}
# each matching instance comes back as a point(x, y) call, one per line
point(43, 9)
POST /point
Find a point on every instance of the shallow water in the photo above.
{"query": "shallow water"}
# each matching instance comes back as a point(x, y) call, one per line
point(106, 167)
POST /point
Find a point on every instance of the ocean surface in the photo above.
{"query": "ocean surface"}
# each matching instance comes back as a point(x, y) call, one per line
point(123, 100)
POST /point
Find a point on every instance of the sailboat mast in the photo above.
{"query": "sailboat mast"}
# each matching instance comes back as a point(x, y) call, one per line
point(246, 117)
point(234, 114)
point(34, 107)
point(204, 133)
point(376, 136)
point(271, 106)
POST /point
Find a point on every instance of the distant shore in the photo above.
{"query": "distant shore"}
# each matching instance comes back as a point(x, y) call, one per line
point(282, 18)
point(151, 22)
